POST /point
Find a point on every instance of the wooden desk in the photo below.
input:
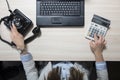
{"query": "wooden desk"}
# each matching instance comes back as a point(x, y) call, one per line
point(65, 43)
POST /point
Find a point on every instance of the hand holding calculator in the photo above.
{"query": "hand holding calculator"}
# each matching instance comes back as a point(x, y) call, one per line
point(99, 26)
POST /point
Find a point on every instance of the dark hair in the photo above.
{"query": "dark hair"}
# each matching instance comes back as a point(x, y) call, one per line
point(75, 74)
point(56, 73)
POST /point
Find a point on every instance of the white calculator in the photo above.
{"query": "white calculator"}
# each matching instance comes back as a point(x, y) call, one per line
point(99, 25)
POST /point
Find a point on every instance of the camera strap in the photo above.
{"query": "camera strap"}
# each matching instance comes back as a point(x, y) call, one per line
point(36, 33)
point(10, 44)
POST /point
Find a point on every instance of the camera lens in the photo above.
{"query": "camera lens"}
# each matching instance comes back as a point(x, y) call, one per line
point(17, 23)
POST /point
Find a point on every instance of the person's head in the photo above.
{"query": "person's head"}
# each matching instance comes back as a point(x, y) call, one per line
point(55, 74)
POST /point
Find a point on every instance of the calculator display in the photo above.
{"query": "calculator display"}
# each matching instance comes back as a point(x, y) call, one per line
point(101, 21)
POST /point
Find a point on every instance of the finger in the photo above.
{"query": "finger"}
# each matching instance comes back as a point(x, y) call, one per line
point(91, 43)
point(12, 33)
point(95, 37)
point(103, 39)
point(14, 28)
point(105, 42)
point(10, 27)
point(105, 45)
point(100, 38)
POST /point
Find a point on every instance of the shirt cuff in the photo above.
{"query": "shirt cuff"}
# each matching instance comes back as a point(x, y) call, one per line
point(101, 65)
point(26, 57)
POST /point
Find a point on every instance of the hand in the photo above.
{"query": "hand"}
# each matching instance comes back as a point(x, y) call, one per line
point(97, 46)
point(17, 38)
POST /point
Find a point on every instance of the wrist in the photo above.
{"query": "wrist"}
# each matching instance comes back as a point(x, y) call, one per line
point(22, 47)
point(98, 55)
point(99, 58)
point(23, 50)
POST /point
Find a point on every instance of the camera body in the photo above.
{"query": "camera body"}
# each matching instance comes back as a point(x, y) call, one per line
point(22, 23)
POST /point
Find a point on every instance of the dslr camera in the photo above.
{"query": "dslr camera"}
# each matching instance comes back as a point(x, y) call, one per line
point(22, 23)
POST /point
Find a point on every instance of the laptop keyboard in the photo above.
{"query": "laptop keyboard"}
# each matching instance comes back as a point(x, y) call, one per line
point(60, 7)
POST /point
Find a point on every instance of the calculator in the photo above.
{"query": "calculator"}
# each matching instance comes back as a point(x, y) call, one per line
point(98, 26)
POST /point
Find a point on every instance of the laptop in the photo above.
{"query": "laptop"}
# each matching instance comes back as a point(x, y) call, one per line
point(60, 13)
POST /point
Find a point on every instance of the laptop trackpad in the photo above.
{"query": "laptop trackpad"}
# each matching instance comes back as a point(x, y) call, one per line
point(56, 20)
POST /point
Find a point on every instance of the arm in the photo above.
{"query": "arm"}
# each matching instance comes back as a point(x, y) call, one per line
point(97, 48)
point(26, 58)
